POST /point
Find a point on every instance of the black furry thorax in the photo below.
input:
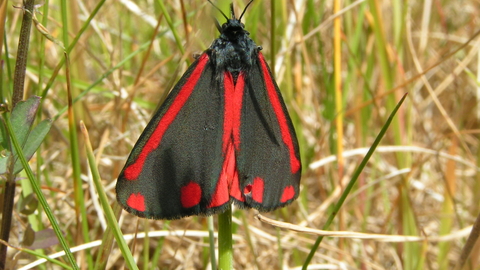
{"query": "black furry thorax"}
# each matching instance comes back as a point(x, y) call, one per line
point(234, 51)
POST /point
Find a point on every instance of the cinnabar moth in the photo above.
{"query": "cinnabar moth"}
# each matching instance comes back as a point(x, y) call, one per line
point(222, 135)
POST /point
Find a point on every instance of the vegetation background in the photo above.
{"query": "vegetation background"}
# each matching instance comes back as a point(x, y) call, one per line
point(339, 83)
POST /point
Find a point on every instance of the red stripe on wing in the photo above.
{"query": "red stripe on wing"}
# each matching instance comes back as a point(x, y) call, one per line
point(282, 119)
point(237, 109)
point(133, 171)
point(228, 174)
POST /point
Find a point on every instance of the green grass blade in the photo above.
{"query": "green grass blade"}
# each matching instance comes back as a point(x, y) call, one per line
point(352, 182)
point(225, 249)
point(38, 192)
point(178, 40)
point(40, 255)
point(211, 239)
point(112, 221)
point(101, 78)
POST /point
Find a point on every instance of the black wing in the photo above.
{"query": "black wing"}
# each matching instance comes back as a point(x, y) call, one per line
point(173, 169)
point(268, 158)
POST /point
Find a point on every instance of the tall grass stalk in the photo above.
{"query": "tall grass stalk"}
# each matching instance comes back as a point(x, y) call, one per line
point(225, 243)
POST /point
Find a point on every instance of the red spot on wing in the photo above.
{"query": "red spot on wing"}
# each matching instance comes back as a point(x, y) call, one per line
point(190, 195)
point(247, 190)
point(282, 119)
point(133, 171)
point(255, 190)
point(136, 201)
point(288, 193)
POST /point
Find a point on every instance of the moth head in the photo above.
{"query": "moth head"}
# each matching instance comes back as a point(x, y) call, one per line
point(232, 25)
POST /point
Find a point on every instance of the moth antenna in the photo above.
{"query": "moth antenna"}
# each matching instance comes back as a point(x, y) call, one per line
point(217, 24)
point(232, 11)
point(218, 10)
point(245, 9)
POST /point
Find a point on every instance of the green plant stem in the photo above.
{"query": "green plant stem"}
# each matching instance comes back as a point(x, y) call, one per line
point(107, 242)
point(211, 238)
point(71, 46)
point(64, 12)
point(8, 195)
point(38, 192)
point(110, 216)
point(80, 208)
point(18, 90)
point(225, 252)
point(172, 27)
point(353, 181)
point(23, 43)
